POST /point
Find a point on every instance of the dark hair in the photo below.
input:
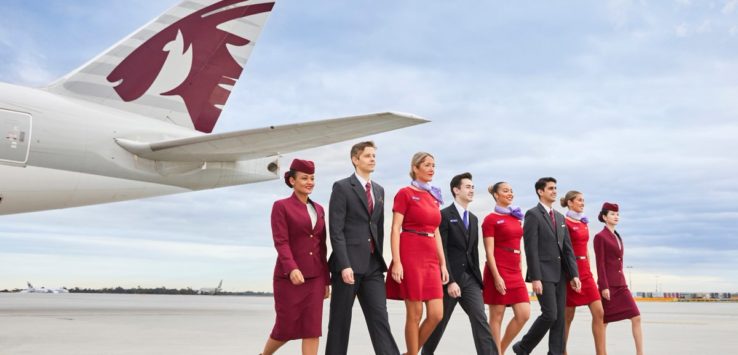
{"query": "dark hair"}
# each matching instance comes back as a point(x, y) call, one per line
point(493, 189)
point(290, 174)
point(542, 182)
point(358, 148)
point(571, 195)
point(456, 181)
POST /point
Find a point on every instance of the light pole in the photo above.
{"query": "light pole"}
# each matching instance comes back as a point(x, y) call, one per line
point(630, 277)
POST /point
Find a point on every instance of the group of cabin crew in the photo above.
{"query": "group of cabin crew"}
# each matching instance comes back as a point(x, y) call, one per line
point(435, 263)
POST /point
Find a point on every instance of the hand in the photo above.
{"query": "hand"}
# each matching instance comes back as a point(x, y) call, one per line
point(576, 284)
point(347, 275)
point(606, 294)
point(397, 272)
point(453, 290)
point(500, 285)
point(444, 275)
point(327, 292)
point(296, 277)
point(537, 287)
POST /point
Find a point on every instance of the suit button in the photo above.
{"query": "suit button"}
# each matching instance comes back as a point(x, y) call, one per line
point(618, 258)
point(558, 258)
point(311, 236)
point(311, 253)
point(369, 240)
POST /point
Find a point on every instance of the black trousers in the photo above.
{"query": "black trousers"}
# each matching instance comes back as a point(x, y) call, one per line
point(553, 304)
point(473, 304)
point(370, 290)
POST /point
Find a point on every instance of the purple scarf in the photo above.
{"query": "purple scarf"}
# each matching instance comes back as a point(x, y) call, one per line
point(578, 216)
point(513, 211)
point(434, 191)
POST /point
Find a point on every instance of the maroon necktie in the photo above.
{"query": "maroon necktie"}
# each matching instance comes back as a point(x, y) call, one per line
point(370, 207)
point(553, 219)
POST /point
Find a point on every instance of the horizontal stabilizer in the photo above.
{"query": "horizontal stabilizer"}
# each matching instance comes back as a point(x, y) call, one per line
point(270, 141)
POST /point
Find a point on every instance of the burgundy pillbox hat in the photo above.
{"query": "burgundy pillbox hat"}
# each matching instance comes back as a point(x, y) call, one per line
point(607, 206)
point(303, 166)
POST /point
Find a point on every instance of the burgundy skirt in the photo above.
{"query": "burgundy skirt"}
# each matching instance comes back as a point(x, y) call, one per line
point(620, 306)
point(299, 309)
point(421, 271)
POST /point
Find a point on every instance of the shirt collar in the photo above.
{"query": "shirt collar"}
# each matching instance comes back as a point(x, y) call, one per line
point(361, 180)
point(460, 209)
point(548, 209)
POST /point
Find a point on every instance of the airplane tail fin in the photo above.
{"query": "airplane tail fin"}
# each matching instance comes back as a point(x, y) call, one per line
point(219, 285)
point(29, 284)
point(181, 67)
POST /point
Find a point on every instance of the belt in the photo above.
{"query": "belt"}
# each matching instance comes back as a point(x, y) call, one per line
point(511, 250)
point(425, 234)
point(579, 257)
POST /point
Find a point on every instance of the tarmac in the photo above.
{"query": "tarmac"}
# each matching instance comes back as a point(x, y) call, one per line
point(94, 324)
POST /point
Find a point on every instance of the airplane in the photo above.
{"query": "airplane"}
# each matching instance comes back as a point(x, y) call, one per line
point(210, 291)
point(32, 289)
point(136, 121)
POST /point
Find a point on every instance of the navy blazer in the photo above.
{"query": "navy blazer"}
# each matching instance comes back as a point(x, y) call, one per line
point(299, 245)
point(353, 228)
point(547, 249)
point(609, 259)
point(459, 244)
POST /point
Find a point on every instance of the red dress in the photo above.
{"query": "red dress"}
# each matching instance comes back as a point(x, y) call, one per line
point(507, 231)
point(579, 233)
point(418, 254)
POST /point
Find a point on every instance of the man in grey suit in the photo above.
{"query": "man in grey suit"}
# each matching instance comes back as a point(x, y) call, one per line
point(356, 223)
point(460, 234)
point(551, 262)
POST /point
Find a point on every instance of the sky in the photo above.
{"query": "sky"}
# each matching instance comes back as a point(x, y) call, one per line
point(632, 102)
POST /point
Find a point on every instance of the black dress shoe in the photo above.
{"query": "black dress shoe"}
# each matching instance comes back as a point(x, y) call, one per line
point(518, 350)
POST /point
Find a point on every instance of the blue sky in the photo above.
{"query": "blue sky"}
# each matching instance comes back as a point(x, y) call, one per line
point(631, 102)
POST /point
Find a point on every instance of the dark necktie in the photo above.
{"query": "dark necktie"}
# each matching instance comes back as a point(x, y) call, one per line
point(466, 219)
point(369, 201)
point(553, 219)
point(370, 207)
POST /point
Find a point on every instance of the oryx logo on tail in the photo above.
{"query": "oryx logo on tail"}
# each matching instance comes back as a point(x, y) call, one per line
point(197, 40)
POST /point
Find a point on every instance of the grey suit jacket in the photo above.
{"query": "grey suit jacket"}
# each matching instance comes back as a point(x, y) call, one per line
point(352, 228)
point(460, 245)
point(547, 249)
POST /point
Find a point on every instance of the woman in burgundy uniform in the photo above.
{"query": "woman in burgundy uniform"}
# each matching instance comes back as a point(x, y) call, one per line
point(617, 300)
point(418, 268)
point(301, 274)
point(589, 296)
point(503, 278)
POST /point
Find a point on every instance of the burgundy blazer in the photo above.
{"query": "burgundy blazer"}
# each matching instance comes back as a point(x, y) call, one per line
point(299, 245)
point(609, 259)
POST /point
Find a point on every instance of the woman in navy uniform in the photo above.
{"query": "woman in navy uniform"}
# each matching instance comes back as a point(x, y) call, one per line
point(301, 279)
point(617, 300)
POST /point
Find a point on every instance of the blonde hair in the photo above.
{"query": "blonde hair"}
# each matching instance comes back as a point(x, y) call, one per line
point(568, 197)
point(417, 160)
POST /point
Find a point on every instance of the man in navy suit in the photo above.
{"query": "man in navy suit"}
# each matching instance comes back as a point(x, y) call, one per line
point(551, 262)
point(460, 234)
point(356, 224)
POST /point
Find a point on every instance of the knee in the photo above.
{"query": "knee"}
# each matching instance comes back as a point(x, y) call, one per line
point(598, 315)
point(549, 317)
point(435, 315)
point(522, 316)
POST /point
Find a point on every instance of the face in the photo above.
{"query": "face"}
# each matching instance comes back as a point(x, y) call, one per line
point(612, 218)
point(504, 195)
point(548, 194)
point(425, 171)
point(465, 191)
point(303, 183)
point(576, 204)
point(366, 161)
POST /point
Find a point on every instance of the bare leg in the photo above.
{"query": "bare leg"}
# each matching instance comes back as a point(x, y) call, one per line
point(435, 315)
point(521, 314)
point(412, 326)
point(272, 346)
point(570, 312)
point(635, 323)
point(310, 346)
point(598, 327)
point(496, 313)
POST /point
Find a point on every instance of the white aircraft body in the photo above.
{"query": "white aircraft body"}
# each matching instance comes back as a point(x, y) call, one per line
point(211, 291)
point(32, 289)
point(134, 122)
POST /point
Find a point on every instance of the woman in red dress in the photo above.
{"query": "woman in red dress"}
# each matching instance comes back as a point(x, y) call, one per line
point(503, 278)
point(301, 274)
point(617, 300)
point(418, 268)
point(589, 296)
